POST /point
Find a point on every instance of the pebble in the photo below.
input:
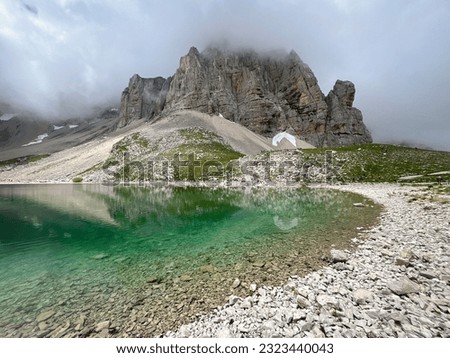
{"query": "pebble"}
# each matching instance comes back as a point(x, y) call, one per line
point(44, 316)
point(102, 326)
point(236, 283)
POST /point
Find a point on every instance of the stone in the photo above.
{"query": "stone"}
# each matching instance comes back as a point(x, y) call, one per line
point(253, 287)
point(185, 278)
point(246, 303)
point(266, 94)
point(326, 300)
point(362, 296)
point(102, 326)
point(207, 269)
point(359, 205)
point(428, 274)
point(404, 286)
point(236, 283)
point(397, 317)
point(233, 299)
point(100, 256)
point(404, 257)
point(302, 303)
point(224, 333)
point(153, 279)
point(184, 332)
point(44, 316)
point(339, 256)
point(401, 262)
point(243, 329)
point(317, 332)
point(79, 324)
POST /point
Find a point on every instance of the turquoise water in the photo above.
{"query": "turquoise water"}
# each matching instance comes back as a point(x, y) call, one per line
point(68, 245)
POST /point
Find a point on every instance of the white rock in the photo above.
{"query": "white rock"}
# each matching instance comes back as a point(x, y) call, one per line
point(339, 256)
point(403, 286)
point(362, 296)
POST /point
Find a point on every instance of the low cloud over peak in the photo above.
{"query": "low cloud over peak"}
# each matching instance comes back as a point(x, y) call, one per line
point(62, 57)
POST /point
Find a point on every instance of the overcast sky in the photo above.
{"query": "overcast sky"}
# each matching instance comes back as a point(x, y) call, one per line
point(61, 57)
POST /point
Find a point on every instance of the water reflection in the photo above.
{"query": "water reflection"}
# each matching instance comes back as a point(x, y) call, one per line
point(67, 243)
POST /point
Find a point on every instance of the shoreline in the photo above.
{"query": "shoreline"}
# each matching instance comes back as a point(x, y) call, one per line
point(359, 295)
point(186, 290)
point(395, 284)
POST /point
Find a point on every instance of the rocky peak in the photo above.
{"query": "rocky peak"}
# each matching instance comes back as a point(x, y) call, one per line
point(143, 98)
point(345, 92)
point(267, 93)
point(345, 124)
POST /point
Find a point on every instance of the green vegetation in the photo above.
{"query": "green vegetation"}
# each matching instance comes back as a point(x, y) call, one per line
point(131, 142)
point(197, 134)
point(140, 140)
point(77, 179)
point(23, 160)
point(186, 154)
point(210, 160)
point(376, 163)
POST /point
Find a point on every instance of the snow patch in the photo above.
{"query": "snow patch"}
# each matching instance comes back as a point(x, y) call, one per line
point(57, 127)
point(73, 126)
point(277, 139)
point(38, 140)
point(7, 116)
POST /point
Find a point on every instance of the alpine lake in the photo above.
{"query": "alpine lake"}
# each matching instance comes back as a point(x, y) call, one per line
point(85, 260)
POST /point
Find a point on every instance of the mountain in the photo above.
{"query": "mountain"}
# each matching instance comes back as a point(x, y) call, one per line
point(25, 134)
point(266, 93)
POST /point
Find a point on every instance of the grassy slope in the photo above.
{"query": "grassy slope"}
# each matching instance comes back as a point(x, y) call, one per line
point(383, 163)
point(206, 148)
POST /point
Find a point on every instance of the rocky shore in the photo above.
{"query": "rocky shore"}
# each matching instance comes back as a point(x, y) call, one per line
point(396, 284)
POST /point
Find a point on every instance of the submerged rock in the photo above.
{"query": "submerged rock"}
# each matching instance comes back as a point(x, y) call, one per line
point(45, 316)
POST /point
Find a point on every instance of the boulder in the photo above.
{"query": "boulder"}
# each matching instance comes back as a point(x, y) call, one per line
point(361, 296)
point(339, 256)
point(404, 286)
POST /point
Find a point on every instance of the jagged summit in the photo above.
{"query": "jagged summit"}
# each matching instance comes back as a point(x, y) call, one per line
point(267, 93)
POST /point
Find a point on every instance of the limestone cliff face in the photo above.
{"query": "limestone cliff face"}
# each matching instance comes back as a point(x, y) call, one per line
point(267, 94)
point(143, 98)
point(344, 122)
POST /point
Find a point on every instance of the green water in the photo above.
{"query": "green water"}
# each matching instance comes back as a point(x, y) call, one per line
point(68, 246)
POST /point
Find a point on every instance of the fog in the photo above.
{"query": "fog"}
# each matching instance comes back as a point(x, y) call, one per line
point(63, 57)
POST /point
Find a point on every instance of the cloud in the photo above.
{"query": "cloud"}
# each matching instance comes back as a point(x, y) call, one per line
point(61, 57)
point(31, 8)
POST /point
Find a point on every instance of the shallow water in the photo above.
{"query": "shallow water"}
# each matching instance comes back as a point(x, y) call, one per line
point(81, 249)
